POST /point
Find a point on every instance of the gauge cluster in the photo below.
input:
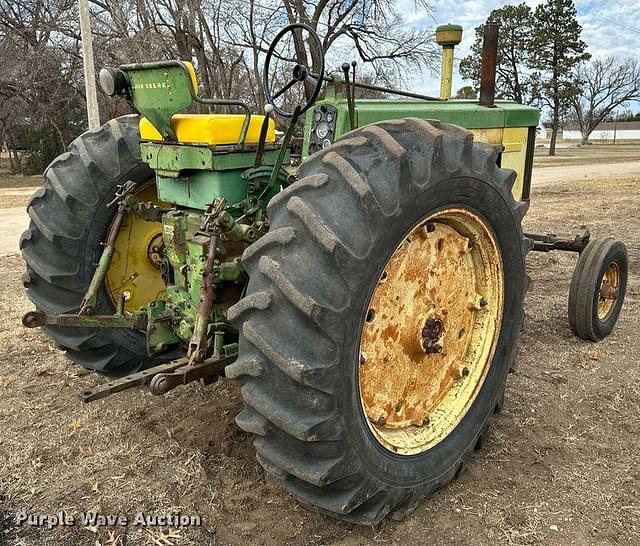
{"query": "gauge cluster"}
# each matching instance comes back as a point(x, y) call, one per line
point(323, 127)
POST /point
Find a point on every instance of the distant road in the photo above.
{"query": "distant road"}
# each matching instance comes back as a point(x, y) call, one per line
point(14, 222)
point(559, 174)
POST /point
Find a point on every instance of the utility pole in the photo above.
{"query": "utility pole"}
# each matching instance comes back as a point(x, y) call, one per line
point(93, 115)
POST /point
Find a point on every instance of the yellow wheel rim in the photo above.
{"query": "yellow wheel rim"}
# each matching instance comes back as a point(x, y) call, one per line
point(608, 292)
point(135, 266)
point(431, 329)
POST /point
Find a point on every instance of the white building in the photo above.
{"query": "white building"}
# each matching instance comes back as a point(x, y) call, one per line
point(606, 132)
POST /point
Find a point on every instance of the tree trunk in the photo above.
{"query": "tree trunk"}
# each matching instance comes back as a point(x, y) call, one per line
point(554, 128)
point(14, 158)
point(585, 139)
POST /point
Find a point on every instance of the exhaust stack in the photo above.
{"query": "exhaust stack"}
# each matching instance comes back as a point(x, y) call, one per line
point(447, 36)
point(488, 66)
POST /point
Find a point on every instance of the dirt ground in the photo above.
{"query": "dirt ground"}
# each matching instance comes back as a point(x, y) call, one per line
point(562, 465)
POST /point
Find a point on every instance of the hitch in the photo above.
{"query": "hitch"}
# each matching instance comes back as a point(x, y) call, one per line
point(546, 242)
point(134, 321)
point(165, 376)
point(164, 382)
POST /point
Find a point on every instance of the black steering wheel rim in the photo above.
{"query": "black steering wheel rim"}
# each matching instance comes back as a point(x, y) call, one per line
point(299, 69)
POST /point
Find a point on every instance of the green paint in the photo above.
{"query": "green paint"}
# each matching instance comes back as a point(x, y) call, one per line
point(199, 188)
point(465, 113)
point(448, 27)
point(169, 160)
point(160, 90)
point(160, 333)
point(231, 271)
point(193, 176)
point(186, 249)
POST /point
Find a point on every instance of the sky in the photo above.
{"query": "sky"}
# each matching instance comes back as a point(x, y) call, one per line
point(610, 27)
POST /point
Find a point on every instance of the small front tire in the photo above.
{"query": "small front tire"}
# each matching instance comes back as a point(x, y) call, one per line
point(597, 289)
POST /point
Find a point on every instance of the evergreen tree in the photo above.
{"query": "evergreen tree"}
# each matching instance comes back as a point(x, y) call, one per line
point(466, 92)
point(513, 80)
point(556, 50)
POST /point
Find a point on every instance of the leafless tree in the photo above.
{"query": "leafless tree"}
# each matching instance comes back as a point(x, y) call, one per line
point(41, 85)
point(604, 85)
point(374, 29)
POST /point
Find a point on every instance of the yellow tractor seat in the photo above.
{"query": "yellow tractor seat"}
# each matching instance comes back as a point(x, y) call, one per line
point(210, 129)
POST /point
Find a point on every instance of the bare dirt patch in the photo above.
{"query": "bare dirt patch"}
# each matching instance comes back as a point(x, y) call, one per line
point(562, 465)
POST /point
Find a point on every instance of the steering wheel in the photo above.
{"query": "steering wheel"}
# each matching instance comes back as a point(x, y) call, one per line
point(300, 74)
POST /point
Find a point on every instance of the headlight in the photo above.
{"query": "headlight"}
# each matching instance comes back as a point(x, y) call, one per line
point(113, 81)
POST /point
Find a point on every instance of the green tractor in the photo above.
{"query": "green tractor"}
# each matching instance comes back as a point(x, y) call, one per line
point(368, 302)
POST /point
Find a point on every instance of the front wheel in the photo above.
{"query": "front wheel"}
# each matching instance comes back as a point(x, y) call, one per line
point(381, 317)
point(597, 290)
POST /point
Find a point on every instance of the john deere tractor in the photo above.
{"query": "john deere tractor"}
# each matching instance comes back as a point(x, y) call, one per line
point(368, 301)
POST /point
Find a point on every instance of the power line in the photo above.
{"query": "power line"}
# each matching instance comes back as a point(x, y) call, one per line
point(617, 23)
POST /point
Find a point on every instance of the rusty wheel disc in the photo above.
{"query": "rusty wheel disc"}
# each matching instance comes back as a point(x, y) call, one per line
point(430, 331)
point(608, 293)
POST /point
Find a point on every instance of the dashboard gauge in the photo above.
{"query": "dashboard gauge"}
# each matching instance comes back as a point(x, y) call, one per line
point(322, 130)
point(323, 127)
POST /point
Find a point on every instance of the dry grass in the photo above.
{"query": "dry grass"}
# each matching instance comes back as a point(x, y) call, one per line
point(562, 465)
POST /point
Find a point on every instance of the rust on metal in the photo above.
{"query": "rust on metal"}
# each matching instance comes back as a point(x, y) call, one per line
point(135, 268)
point(156, 250)
point(164, 382)
point(208, 368)
point(609, 289)
point(135, 321)
point(430, 330)
point(488, 65)
point(211, 228)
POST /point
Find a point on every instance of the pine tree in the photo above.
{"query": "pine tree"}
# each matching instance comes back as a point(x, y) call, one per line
point(556, 50)
point(513, 80)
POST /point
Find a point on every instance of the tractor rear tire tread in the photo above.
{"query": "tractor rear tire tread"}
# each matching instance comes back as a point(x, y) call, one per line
point(61, 246)
point(307, 267)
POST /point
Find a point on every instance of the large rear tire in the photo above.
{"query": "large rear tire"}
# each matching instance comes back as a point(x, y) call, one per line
point(311, 283)
point(69, 221)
